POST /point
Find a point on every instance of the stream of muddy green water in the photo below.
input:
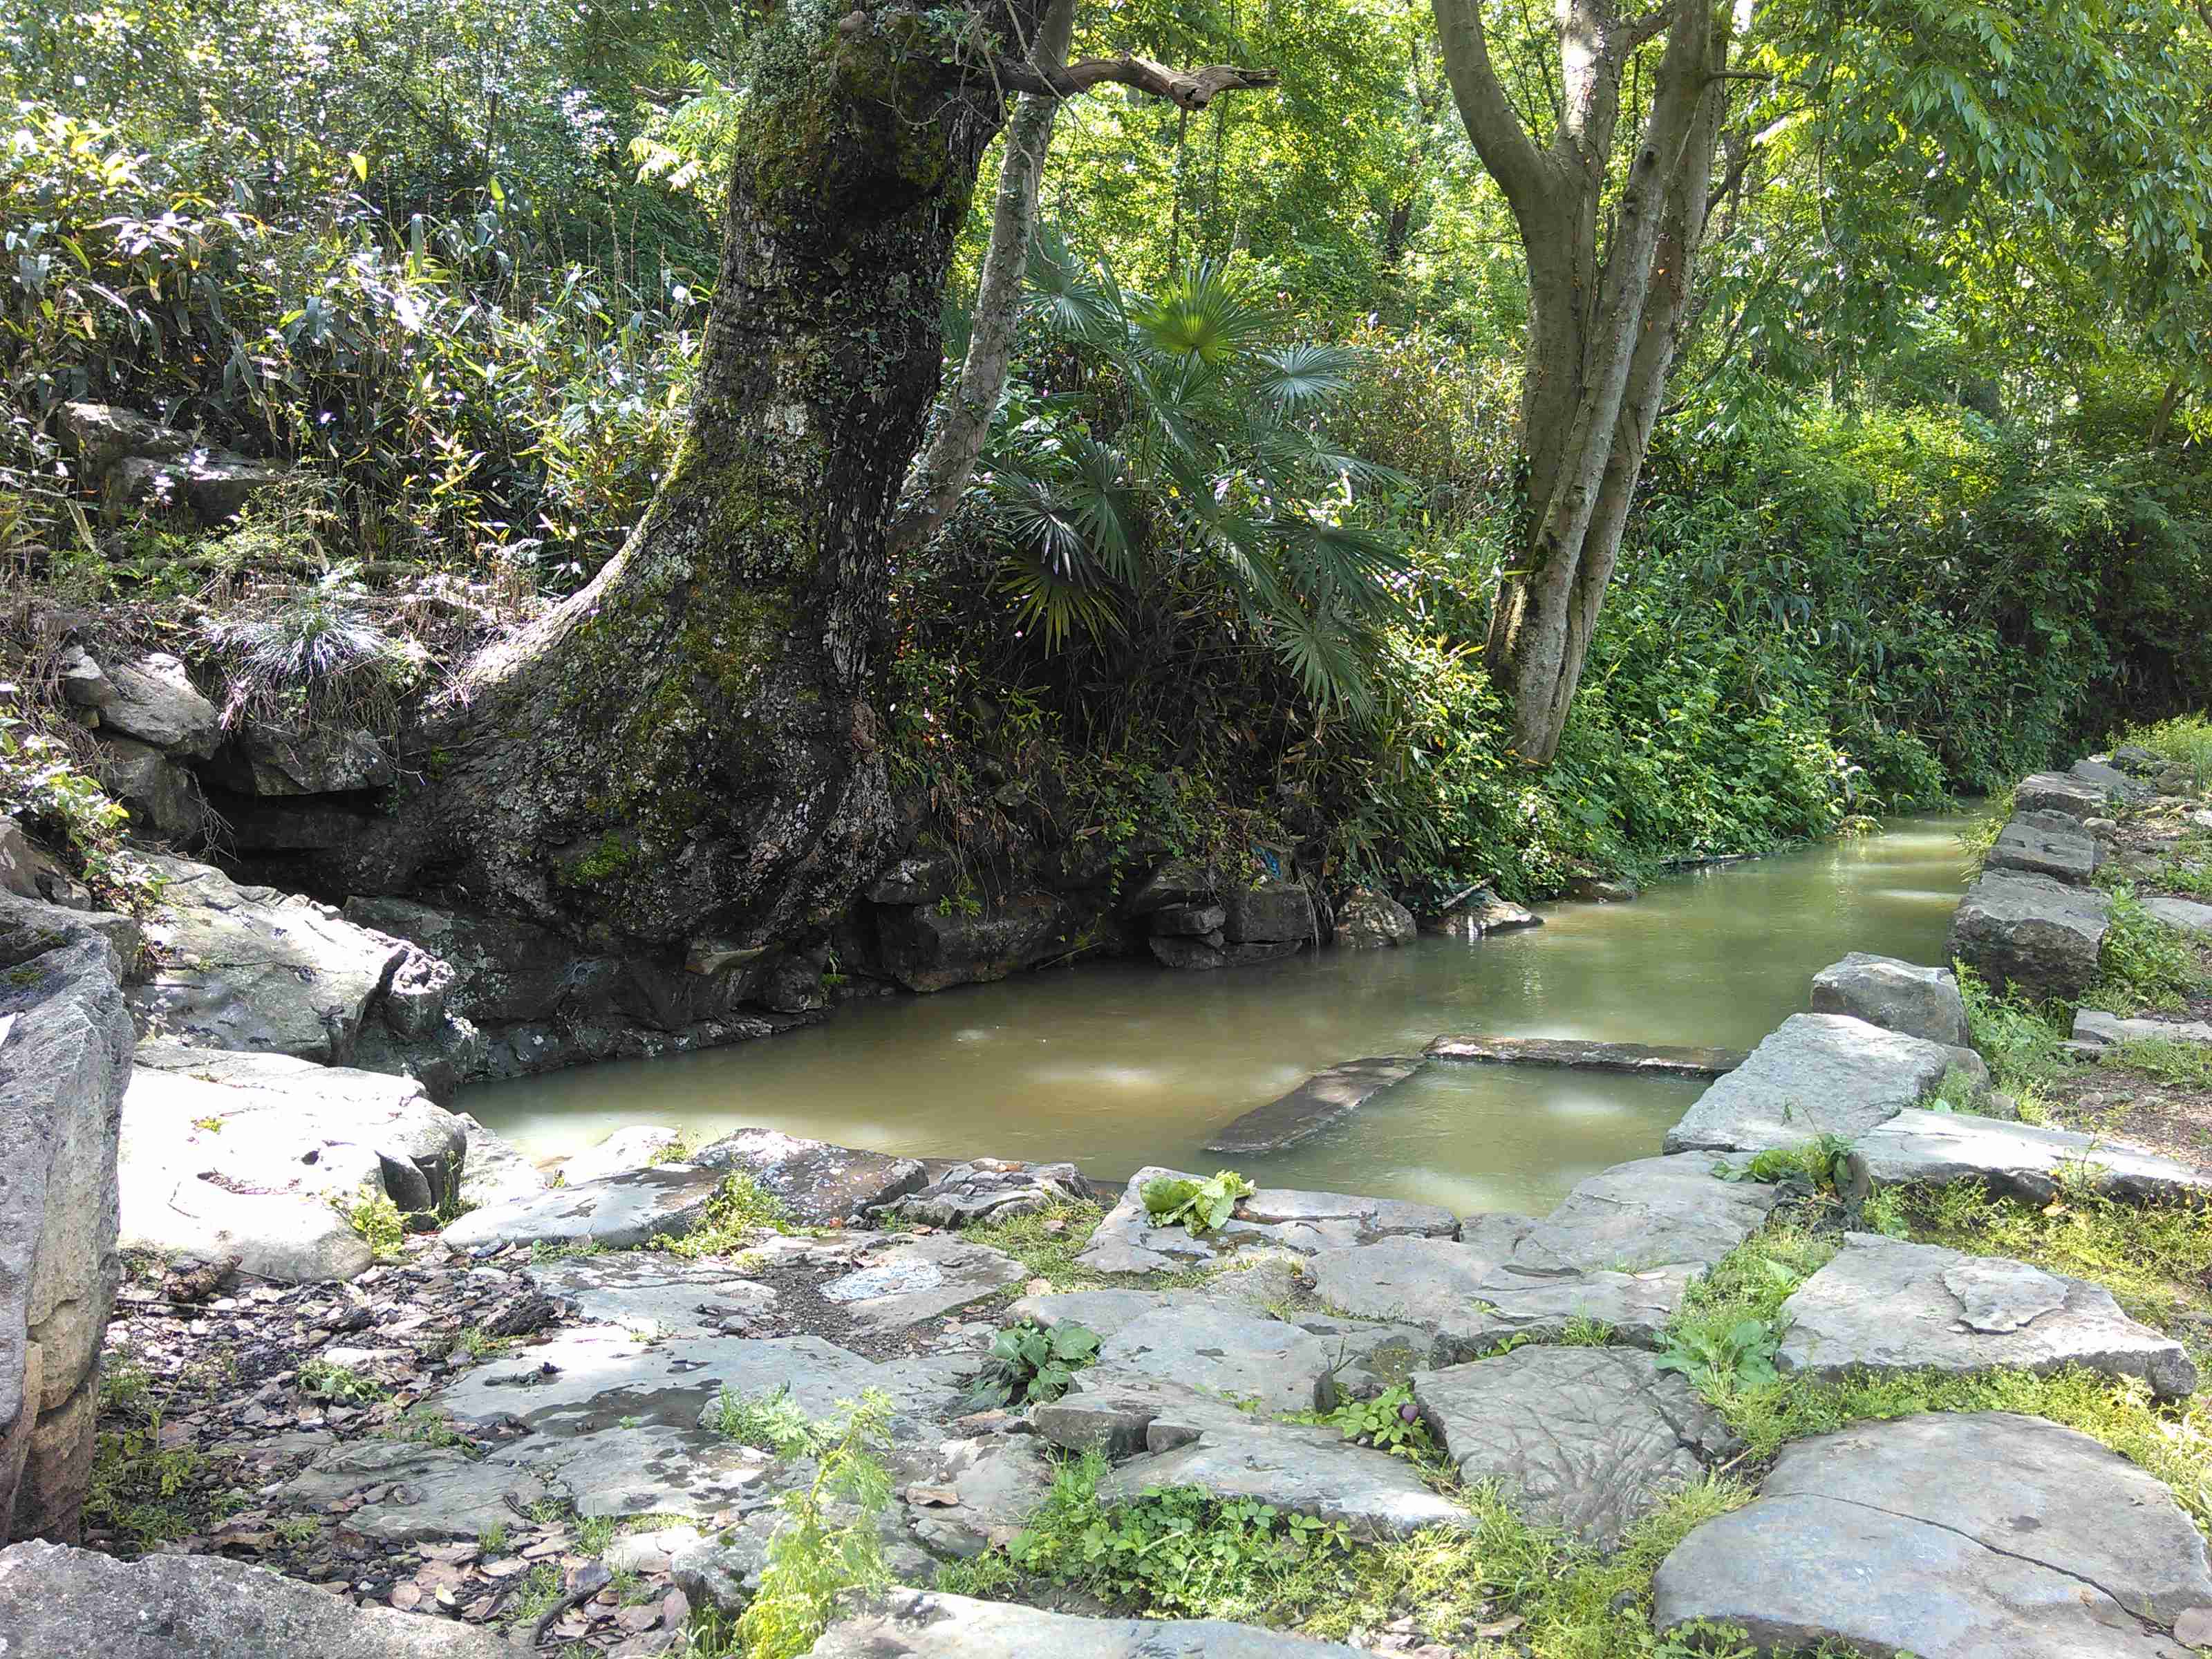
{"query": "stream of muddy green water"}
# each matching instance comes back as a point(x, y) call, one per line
point(1115, 1065)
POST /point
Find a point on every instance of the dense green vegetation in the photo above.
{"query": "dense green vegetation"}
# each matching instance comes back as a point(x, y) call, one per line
point(1224, 575)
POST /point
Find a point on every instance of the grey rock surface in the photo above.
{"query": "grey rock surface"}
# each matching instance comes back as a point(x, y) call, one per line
point(420, 1492)
point(162, 796)
point(619, 1213)
point(990, 1190)
point(2045, 844)
point(320, 759)
point(1306, 1110)
point(1981, 1535)
point(649, 1293)
point(928, 950)
point(1936, 1148)
point(2061, 793)
point(495, 1171)
point(1299, 1471)
point(1818, 1074)
point(154, 702)
point(817, 1183)
point(996, 1485)
point(2094, 1025)
point(1883, 1305)
point(1276, 1218)
point(902, 1282)
point(1654, 1212)
point(2031, 933)
point(2185, 915)
point(1646, 1059)
point(1237, 1357)
point(1369, 920)
point(638, 1146)
point(1898, 996)
point(1589, 1440)
point(652, 1468)
point(924, 1625)
point(2115, 784)
point(65, 1058)
point(1275, 913)
point(53, 1599)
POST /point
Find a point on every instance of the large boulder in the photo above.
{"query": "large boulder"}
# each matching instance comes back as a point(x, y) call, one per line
point(160, 794)
point(816, 1182)
point(1368, 920)
point(928, 948)
point(1884, 1305)
point(2045, 844)
point(56, 1602)
point(1898, 996)
point(249, 1155)
point(316, 760)
point(621, 1212)
point(64, 1062)
point(2030, 933)
point(1818, 1074)
point(991, 1190)
point(156, 703)
point(2115, 784)
point(250, 968)
point(2031, 1161)
point(1274, 912)
point(1967, 1535)
point(2060, 792)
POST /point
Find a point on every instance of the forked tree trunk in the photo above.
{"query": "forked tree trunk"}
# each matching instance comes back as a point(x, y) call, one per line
point(940, 476)
point(685, 753)
point(686, 750)
point(1603, 324)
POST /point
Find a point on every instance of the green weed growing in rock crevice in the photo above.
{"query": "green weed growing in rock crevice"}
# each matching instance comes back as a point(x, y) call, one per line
point(1046, 1242)
point(739, 1212)
point(829, 1543)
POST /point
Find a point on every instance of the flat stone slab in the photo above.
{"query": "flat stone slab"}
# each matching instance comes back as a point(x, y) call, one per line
point(1241, 1358)
point(2186, 915)
point(1126, 1414)
point(1977, 1535)
point(1896, 995)
point(2094, 1025)
point(2030, 932)
point(648, 1293)
point(1818, 1074)
point(2059, 792)
point(2100, 774)
point(1651, 1059)
point(430, 1492)
point(621, 1212)
point(1883, 1305)
point(651, 1469)
point(818, 1183)
point(590, 1378)
point(1474, 1300)
point(1281, 1218)
point(924, 1624)
point(637, 1147)
point(991, 1190)
point(1933, 1149)
point(1320, 1100)
point(980, 1494)
point(1653, 1212)
point(1300, 1470)
point(905, 1283)
point(1104, 1312)
point(1591, 1440)
point(2044, 844)
point(56, 1602)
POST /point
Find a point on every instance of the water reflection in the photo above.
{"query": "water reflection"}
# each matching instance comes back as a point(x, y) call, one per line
point(1115, 1065)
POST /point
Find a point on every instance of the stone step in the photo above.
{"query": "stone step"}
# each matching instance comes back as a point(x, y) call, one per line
point(1589, 1440)
point(1818, 1074)
point(1884, 1305)
point(1649, 1059)
point(1933, 1149)
point(1320, 1100)
point(2093, 1025)
point(2030, 933)
point(1982, 1535)
point(1276, 1218)
point(924, 1624)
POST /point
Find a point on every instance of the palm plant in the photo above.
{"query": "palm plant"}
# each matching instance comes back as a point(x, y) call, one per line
point(1200, 446)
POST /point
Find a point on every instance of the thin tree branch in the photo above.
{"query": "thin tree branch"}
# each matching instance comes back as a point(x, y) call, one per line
point(1190, 89)
point(1499, 138)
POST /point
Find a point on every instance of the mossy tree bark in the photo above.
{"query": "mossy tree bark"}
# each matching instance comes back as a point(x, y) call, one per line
point(686, 752)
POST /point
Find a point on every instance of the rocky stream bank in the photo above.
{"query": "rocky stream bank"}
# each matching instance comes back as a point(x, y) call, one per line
point(603, 1409)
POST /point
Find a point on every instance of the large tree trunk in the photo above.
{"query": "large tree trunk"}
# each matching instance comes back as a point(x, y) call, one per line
point(1602, 332)
point(685, 750)
point(684, 757)
point(934, 487)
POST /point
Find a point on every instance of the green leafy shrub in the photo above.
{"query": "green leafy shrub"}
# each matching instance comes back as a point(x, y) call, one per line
point(1389, 1422)
point(1029, 1365)
point(1203, 1206)
point(828, 1544)
point(770, 1422)
point(371, 1213)
point(739, 1212)
point(2144, 963)
point(1740, 1357)
point(1825, 1162)
point(340, 1384)
point(43, 787)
